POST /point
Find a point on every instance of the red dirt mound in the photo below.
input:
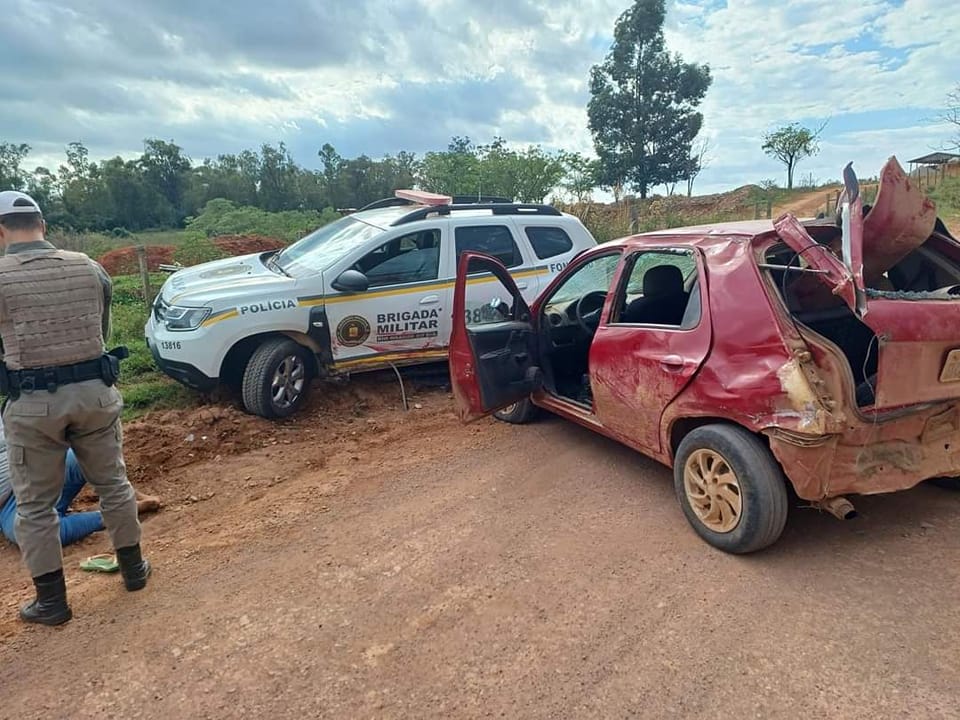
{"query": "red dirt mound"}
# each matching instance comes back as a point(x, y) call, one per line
point(245, 244)
point(169, 440)
point(174, 439)
point(123, 261)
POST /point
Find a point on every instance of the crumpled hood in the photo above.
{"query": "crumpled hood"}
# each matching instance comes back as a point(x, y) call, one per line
point(233, 279)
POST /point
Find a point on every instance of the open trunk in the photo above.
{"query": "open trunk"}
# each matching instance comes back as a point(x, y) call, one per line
point(883, 285)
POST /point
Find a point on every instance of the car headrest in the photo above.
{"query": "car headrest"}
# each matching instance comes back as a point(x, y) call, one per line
point(662, 280)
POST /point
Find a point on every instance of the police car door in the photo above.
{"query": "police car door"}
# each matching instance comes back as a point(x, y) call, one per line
point(404, 315)
point(553, 247)
point(493, 236)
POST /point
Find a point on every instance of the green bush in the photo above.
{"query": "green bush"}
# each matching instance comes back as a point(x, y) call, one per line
point(141, 383)
point(222, 217)
point(196, 249)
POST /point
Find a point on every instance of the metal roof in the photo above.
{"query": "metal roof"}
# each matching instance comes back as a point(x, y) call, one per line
point(937, 158)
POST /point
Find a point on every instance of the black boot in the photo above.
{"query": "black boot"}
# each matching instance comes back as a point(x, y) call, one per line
point(50, 607)
point(133, 567)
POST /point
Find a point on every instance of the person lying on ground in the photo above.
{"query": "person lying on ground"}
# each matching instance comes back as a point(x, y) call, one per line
point(74, 526)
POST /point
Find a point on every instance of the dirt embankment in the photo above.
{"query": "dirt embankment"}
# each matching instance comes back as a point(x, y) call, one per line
point(123, 261)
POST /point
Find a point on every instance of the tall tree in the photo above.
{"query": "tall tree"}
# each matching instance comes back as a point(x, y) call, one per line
point(166, 170)
point(12, 176)
point(790, 144)
point(698, 162)
point(43, 187)
point(86, 200)
point(455, 172)
point(136, 204)
point(581, 175)
point(278, 181)
point(951, 116)
point(538, 173)
point(643, 105)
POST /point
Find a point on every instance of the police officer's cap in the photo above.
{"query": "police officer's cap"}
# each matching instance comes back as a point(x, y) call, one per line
point(14, 202)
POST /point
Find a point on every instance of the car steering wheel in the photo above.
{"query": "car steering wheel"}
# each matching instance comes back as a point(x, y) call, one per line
point(589, 319)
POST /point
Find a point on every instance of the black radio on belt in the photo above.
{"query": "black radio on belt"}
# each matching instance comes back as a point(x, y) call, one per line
point(13, 383)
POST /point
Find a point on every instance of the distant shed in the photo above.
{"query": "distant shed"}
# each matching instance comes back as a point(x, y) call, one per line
point(931, 168)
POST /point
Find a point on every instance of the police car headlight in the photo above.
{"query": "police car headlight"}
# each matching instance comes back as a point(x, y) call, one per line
point(185, 318)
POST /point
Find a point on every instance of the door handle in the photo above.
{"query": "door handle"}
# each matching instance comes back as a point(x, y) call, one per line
point(672, 363)
point(429, 299)
point(521, 286)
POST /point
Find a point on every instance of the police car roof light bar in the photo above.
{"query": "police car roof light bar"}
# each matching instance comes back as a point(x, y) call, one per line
point(457, 200)
point(424, 198)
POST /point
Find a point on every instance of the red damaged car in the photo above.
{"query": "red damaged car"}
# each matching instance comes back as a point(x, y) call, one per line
point(747, 355)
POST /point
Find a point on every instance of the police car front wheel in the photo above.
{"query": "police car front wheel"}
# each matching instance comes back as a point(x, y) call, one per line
point(277, 378)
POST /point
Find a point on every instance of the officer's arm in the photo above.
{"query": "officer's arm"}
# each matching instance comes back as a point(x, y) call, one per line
point(107, 284)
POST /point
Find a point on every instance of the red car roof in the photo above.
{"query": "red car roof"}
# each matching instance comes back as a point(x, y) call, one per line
point(701, 235)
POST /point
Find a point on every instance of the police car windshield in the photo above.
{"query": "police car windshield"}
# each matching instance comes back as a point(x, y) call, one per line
point(325, 246)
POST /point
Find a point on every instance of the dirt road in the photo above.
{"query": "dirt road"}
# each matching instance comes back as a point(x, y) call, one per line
point(400, 565)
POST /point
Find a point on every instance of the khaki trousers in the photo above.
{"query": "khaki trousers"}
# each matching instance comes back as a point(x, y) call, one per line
point(39, 427)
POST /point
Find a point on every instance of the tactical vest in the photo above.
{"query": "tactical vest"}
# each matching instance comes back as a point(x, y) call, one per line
point(51, 309)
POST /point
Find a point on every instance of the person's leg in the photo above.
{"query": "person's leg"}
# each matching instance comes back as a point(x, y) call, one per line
point(36, 462)
point(96, 438)
point(76, 526)
point(8, 519)
point(36, 452)
point(73, 482)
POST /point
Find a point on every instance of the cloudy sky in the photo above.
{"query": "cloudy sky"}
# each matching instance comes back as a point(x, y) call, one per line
point(378, 76)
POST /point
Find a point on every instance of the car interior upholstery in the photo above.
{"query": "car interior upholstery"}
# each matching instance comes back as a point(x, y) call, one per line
point(663, 301)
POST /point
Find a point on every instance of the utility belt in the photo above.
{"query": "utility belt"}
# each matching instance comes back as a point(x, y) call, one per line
point(14, 383)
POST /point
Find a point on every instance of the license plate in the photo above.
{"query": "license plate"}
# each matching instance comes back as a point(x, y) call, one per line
point(951, 367)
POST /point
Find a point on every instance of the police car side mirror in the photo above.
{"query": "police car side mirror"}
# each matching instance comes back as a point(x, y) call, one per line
point(352, 281)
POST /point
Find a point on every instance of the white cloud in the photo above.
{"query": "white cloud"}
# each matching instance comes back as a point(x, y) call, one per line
point(352, 72)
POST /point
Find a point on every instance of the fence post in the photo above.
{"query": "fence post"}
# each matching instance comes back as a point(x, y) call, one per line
point(144, 275)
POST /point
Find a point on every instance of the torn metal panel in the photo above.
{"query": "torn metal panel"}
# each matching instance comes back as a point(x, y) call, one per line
point(916, 340)
point(831, 272)
point(900, 221)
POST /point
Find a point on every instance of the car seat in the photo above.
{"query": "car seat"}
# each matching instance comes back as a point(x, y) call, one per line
point(664, 299)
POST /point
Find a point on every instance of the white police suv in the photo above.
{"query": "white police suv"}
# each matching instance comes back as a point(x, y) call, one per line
point(371, 290)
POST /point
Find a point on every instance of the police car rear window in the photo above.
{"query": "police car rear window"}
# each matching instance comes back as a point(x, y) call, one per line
point(548, 242)
point(495, 240)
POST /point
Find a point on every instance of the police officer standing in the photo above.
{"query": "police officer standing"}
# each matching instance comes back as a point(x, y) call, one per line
point(59, 382)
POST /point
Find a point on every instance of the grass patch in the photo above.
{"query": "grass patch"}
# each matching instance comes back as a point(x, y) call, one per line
point(158, 237)
point(158, 393)
point(143, 386)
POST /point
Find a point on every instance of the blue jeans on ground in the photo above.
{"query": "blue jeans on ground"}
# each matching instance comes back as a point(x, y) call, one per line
point(73, 526)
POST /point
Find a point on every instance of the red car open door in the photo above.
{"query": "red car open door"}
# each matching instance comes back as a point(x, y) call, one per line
point(493, 348)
